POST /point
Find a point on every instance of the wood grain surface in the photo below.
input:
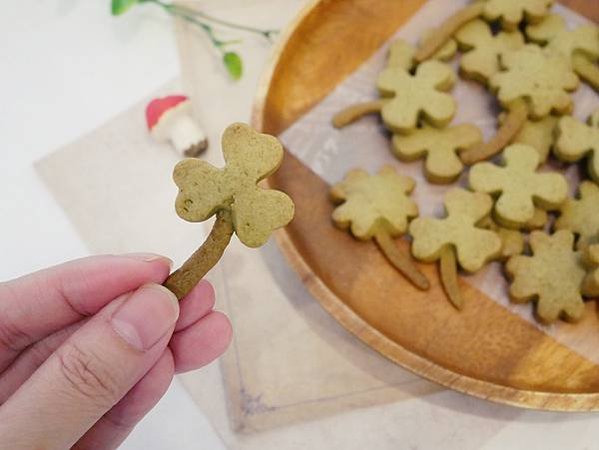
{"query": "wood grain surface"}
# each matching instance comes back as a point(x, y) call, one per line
point(485, 350)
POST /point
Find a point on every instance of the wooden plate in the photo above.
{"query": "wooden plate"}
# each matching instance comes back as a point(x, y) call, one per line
point(485, 350)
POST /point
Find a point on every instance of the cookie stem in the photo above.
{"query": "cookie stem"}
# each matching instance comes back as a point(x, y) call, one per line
point(182, 281)
point(447, 29)
point(449, 277)
point(586, 70)
point(401, 261)
point(354, 112)
point(512, 124)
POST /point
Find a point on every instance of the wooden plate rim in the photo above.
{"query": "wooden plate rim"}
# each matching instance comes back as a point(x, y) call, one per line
point(551, 401)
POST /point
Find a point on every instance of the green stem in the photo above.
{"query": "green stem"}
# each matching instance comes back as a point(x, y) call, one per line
point(173, 10)
point(190, 16)
point(207, 28)
point(268, 34)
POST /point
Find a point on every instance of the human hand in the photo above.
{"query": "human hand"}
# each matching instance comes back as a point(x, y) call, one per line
point(87, 348)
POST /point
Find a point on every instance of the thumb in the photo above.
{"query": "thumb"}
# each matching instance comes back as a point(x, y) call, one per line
point(91, 371)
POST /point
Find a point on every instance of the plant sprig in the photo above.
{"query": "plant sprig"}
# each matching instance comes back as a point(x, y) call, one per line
point(231, 59)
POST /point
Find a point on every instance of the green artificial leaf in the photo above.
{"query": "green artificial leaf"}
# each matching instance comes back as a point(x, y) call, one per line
point(121, 6)
point(233, 64)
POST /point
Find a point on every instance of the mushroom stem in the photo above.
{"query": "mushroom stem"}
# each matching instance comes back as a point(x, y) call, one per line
point(182, 280)
point(449, 276)
point(586, 70)
point(512, 124)
point(401, 261)
point(447, 29)
point(354, 112)
point(187, 137)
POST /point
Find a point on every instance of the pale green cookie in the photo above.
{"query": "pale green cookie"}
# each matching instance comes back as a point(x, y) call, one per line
point(590, 285)
point(512, 241)
point(401, 53)
point(541, 78)
point(512, 12)
point(250, 157)
point(440, 147)
point(446, 52)
point(483, 49)
point(374, 203)
point(474, 246)
point(538, 134)
point(518, 186)
point(553, 32)
point(552, 276)
point(576, 140)
point(417, 96)
point(581, 216)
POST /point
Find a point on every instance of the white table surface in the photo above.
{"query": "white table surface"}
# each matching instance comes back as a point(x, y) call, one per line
point(66, 67)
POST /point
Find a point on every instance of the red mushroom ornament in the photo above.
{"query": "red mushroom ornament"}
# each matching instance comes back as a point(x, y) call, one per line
point(170, 119)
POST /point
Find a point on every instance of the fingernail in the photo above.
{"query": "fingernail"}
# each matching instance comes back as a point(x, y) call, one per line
point(148, 257)
point(146, 316)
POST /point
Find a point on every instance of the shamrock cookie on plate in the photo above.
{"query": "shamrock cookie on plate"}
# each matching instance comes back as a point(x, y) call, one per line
point(533, 83)
point(439, 147)
point(518, 186)
point(539, 134)
point(552, 276)
point(576, 140)
point(590, 284)
point(406, 97)
point(580, 45)
point(378, 207)
point(456, 239)
point(509, 12)
point(483, 49)
point(581, 216)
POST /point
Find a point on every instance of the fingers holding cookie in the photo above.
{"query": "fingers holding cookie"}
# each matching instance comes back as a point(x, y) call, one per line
point(232, 194)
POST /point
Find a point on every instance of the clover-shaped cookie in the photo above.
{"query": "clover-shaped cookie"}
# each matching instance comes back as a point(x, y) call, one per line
point(232, 194)
point(417, 96)
point(401, 52)
point(483, 49)
point(580, 42)
point(407, 97)
point(581, 216)
point(576, 140)
point(552, 275)
point(538, 134)
point(512, 241)
point(440, 147)
point(590, 284)
point(512, 12)
point(519, 186)
point(378, 207)
point(456, 236)
point(446, 52)
point(533, 83)
point(509, 12)
point(431, 45)
point(538, 76)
